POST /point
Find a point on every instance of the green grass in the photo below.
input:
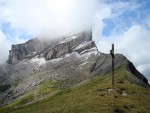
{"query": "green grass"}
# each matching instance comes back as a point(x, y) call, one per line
point(92, 97)
point(23, 100)
point(47, 87)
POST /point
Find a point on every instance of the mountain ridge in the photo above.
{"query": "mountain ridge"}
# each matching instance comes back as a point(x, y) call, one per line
point(73, 58)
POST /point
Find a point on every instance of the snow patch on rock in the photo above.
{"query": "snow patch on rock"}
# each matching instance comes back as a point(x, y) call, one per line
point(68, 39)
point(82, 45)
point(40, 61)
point(85, 54)
point(55, 60)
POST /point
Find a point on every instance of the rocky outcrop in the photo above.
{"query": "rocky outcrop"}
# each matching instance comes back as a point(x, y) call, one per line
point(78, 43)
point(21, 51)
point(138, 78)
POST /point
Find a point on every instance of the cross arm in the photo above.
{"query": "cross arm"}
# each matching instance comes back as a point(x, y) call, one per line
point(112, 54)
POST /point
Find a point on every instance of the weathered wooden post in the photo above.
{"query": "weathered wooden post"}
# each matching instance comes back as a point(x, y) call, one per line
point(113, 57)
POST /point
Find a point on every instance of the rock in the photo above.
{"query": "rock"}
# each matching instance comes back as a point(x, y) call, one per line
point(50, 54)
point(70, 44)
point(36, 46)
point(29, 49)
point(124, 93)
point(111, 91)
point(138, 78)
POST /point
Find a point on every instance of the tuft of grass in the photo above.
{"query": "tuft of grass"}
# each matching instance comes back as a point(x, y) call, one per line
point(47, 87)
point(93, 97)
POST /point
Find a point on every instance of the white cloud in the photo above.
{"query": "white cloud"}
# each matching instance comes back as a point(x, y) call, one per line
point(4, 45)
point(56, 16)
point(118, 8)
point(145, 68)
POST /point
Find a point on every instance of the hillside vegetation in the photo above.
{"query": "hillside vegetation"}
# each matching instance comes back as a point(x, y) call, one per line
point(91, 96)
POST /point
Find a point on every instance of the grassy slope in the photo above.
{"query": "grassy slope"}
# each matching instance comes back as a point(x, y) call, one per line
point(92, 97)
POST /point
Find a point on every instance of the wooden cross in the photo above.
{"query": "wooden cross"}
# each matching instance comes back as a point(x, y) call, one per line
point(113, 57)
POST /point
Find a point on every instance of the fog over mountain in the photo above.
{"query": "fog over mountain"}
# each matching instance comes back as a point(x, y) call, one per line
point(125, 23)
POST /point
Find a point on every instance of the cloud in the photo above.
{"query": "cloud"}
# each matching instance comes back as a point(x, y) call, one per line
point(50, 16)
point(119, 7)
point(144, 68)
point(59, 17)
point(4, 45)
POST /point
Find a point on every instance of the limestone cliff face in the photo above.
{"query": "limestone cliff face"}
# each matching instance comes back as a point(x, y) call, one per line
point(21, 51)
point(54, 47)
point(28, 49)
point(78, 43)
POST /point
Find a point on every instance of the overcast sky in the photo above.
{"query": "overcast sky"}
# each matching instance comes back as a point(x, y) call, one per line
point(125, 23)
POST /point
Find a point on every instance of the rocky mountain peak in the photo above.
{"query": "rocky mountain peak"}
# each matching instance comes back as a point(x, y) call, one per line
point(52, 48)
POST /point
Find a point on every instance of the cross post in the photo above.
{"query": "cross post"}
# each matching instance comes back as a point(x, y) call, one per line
point(113, 57)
